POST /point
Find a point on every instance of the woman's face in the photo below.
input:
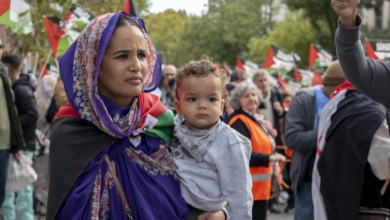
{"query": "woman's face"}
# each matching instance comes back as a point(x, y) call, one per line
point(250, 101)
point(124, 65)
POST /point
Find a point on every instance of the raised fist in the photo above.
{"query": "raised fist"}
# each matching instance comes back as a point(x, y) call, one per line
point(345, 8)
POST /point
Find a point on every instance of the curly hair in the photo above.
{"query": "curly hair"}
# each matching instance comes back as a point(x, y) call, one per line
point(201, 68)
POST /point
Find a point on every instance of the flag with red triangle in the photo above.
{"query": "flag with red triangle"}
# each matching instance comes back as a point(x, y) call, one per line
point(16, 14)
point(78, 17)
point(239, 64)
point(319, 57)
point(298, 76)
point(248, 66)
point(378, 49)
point(277, 58)
point(282, 83)
point(317, 78)
point(304, 77)
point(42, 69)
point(47, 69)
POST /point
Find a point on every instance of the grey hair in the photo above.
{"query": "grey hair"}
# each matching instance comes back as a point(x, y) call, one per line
point(239, 91)
point(258, 74)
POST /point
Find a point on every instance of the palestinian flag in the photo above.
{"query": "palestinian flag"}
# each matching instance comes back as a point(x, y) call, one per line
point(298, 76)
point(78, 17)
point(278, 58)
point(60, 38)
point(131, 8)
point(317, 78)
point(16, 14)
point(248, 66)
point(378, 49)
point(319, 57)
point(304, 77)
point(47, 69)
point(346, 129)
point(282, 84)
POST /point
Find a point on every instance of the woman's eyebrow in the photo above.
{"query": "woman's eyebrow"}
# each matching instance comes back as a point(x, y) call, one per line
point(123, 51)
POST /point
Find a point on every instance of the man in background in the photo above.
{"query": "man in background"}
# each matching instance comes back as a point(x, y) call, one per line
point(11, 139)
point(28, 115)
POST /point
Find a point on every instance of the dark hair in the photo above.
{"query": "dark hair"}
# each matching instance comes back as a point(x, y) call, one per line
point(230, 87)
point(285, 95)
point(202, 67)
point(126, 20)
point(236, 75)
point(12, 60)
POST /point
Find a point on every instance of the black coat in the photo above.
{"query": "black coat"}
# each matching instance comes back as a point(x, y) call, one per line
point(27, 109)
point(275, 97)
point(347, 181)
point(17, 142)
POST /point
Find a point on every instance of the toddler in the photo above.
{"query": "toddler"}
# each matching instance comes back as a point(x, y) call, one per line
point(212, 159)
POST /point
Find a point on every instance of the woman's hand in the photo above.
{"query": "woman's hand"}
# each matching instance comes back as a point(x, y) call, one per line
point(214, 215)
point(276, 157)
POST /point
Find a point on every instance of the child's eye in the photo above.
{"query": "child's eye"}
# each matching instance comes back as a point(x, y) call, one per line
point(192, 99)
point(122, 57)
point(212, 99)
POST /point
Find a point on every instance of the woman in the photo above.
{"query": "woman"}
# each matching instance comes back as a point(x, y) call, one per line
point(246, 120)
point(43, 95)
point(109, 157)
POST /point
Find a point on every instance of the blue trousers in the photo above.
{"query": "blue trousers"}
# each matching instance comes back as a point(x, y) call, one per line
point(4, 163)
point(24, 201)
point(304, 208)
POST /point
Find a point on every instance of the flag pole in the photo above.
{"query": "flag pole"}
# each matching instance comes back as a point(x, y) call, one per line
point(58, 66)
point(46, 61)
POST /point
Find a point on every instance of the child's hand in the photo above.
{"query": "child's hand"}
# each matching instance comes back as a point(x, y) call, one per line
point(214, 215)
point(276, 157)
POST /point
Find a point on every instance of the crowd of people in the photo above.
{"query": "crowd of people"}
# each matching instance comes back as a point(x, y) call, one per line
point(131, 138)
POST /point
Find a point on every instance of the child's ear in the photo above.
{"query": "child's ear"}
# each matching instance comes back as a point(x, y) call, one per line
point(222, 105)
point(177, 106)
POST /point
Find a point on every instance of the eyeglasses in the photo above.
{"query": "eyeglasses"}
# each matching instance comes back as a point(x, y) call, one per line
point(1, 46)
point(169, 74)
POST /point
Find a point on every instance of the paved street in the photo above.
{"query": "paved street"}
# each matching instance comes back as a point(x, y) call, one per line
point(281, 216)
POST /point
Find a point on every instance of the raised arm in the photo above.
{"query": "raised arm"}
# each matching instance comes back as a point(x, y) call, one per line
point(369, 76)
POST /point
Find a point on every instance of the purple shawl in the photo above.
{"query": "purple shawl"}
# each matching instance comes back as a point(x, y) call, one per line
point(146, 172)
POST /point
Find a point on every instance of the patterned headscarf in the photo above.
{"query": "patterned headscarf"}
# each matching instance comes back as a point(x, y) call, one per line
point(79, 68)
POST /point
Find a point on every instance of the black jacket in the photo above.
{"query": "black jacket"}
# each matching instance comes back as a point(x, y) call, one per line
point(276, 97)
point(347, 181)
point(69, 136)
point(27, 109)
point(17, 142)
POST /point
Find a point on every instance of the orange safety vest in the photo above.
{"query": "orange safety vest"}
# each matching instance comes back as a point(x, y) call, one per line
point(261, 143)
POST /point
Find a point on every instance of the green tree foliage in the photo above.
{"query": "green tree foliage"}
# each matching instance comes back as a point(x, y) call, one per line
point(224, 31)
point(294, 34)
point(37, 41)
point(165, 30)
point(320, 13)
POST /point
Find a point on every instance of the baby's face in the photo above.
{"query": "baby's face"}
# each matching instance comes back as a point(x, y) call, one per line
point(200, 101)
